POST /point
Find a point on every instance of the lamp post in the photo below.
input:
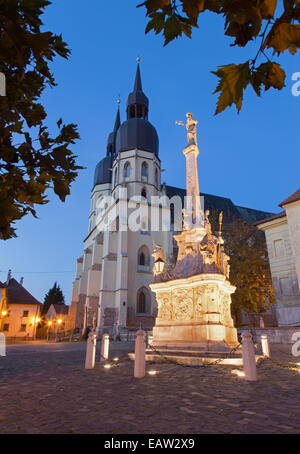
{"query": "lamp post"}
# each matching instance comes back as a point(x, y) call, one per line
point(35, 321)
point(59, 322)
point(49, 326)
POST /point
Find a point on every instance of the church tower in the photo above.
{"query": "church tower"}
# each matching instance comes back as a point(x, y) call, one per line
point(111, 290)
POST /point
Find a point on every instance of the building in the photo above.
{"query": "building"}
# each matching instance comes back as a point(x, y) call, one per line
point(19, 310)
point(283, 241)
point(111, 287)
point(57, 315)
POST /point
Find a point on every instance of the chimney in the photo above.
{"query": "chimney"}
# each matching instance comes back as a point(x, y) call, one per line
point(21, 280)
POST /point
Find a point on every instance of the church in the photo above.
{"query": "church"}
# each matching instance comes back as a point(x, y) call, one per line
point(111, 288)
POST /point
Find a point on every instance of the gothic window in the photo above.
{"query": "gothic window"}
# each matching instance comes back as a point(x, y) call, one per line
point(126, 170)
point(143, 301)
point(144, 171)
point(116, 174)
point(143, 256)
point(142, 259)
point(144, 193)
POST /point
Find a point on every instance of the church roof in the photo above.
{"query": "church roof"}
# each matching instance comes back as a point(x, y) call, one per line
point(17, 294)
point(217, 203)
point(292, 198)
point(102, 173)
point(137, 133)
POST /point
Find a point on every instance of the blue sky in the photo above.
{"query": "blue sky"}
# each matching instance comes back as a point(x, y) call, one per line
point(252, 158)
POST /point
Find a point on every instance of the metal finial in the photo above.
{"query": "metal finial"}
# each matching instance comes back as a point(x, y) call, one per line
point(119, 100)
point(138, 59)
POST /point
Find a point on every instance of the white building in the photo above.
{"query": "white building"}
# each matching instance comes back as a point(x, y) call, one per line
point(283, 241)
point(111, 288)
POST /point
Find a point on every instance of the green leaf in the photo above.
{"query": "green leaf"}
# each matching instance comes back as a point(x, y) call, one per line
point(233, 80)
point(173, 29)
point(156, 23)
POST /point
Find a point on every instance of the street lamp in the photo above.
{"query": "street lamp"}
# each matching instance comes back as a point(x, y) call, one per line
point(159, 265)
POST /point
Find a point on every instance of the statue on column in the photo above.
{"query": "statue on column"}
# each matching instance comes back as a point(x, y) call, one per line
point(191, 126)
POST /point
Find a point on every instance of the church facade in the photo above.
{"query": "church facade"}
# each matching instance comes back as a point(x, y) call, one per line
point(111, 288)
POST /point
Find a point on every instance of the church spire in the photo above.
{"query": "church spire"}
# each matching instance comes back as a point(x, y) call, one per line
point(117, 120)
point(111, 141)
point(138, 80)
point(138, 103)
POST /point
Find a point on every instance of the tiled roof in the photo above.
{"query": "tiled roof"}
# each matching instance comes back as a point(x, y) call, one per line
point(17, 294)
point(292, 198)
point(61, 308)
point(282, 214)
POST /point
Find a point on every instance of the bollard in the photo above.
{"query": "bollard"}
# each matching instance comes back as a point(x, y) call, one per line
point(265, 345)
point(248, 356)
point(90, 351)
point(139, 357)
point(104, 347)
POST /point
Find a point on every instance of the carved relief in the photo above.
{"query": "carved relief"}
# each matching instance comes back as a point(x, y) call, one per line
point(224, 308)
point(199, 300)
point(164, 306)
point(183, 304)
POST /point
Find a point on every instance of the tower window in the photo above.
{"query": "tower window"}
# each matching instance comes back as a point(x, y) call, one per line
point(144, 193)
point(116, 174)
point(139, 111)
point(127, 170)
point(144, 170)
point(156, 177)
point(132, 112)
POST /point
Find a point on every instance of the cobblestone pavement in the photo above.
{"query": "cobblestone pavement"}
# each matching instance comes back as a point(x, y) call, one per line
point(44, 388)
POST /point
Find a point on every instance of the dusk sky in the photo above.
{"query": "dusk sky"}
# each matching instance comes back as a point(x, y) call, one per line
point(252, 158)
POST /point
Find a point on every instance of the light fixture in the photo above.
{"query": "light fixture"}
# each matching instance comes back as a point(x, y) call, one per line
point(59, 321)
point(3, 313)
point(159, 265)
point(152, 372)
point(239, 373)
point(116, 359)
point(37, 319)
point(49, 323)
point(107, 366)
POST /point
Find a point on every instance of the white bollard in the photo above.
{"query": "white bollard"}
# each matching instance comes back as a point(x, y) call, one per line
point(139, 357)
point(104, 347)
point(265, 345)
point(90, 351)
point(248, 356)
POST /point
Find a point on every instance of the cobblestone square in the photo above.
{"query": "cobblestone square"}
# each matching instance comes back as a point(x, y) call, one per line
point(45, 389)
